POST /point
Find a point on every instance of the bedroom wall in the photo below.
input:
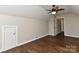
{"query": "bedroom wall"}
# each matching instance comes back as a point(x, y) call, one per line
point(71, 25)
point(51, 25)
point(28, 28)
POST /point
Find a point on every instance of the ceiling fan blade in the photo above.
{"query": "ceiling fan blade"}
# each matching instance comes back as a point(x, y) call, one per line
point(60, 9)
point(49, 10)
point(53, 9)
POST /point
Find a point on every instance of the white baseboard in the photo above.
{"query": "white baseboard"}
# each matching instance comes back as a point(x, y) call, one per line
point(51, 34)
point(25, 42)
point(72, 36)
point(31, 40)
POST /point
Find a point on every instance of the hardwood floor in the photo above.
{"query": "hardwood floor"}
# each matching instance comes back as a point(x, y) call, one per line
point(49, 44)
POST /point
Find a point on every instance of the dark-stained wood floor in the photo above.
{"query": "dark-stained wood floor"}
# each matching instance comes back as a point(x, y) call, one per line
point(49, 44)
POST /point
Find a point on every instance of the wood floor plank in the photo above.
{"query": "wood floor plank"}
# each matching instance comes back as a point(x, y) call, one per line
point(49, 44)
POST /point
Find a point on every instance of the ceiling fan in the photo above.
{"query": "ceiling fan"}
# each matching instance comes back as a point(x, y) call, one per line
point(55, 9)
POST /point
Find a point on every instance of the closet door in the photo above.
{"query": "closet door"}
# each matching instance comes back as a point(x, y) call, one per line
point(10, 37)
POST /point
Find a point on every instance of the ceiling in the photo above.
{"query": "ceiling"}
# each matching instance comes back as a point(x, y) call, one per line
point(68, 8)
point(35, 11)
point(32, 11)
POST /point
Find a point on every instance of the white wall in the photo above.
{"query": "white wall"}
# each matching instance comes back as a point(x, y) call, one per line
point(28, 28)
point(51, 25)
point(71, 25)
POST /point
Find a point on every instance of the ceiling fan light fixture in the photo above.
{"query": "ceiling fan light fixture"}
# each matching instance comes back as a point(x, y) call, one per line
point(54, 12)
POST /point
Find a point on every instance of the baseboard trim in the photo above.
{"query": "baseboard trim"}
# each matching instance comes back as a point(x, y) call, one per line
point(26, 42)
point(32, 40)
point(72, 36)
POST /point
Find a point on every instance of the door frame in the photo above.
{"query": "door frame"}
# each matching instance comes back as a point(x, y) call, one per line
point(55, 20)
point(2, 43)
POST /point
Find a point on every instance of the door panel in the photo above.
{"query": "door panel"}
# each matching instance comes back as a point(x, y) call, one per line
point(9, 37)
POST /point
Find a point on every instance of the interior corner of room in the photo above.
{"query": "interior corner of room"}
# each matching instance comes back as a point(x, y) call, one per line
point(34, 22)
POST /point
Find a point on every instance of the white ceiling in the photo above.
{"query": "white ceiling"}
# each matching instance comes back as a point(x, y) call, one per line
point(35, 11)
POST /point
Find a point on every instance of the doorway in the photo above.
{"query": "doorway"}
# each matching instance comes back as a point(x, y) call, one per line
point(59, 26)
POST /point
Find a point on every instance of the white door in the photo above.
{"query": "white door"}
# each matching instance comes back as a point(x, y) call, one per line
point(9, 37)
